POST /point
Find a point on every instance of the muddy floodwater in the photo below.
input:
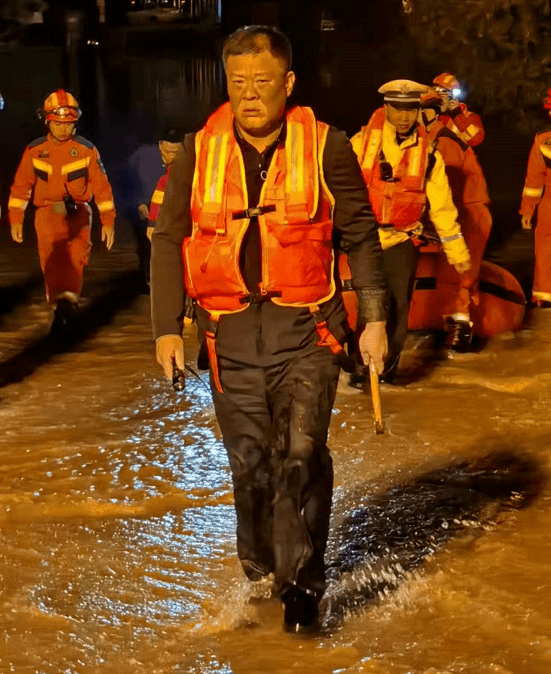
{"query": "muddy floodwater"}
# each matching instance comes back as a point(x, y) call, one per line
point(117, 550)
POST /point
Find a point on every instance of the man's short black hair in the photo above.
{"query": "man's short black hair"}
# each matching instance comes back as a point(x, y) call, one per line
point(256, 39)
point(172, 135)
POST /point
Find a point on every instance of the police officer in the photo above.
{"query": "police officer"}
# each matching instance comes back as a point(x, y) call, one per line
point(63, 172)
point(255, 199)
point(403, 173)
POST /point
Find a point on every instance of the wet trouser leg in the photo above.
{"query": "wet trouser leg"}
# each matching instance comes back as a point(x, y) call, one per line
point(63, 248)
point(400, 263)
point(143, 248)
point(274, 422)
point(476, 224)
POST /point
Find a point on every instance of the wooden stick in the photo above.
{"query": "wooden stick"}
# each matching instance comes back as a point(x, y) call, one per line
point(376, 398)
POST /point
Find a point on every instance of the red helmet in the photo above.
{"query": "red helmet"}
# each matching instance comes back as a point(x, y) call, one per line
point(446, 81)
point(61, 106)
point(547, 104)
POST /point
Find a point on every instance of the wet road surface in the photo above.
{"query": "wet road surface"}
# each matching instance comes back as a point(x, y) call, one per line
point(117, 549)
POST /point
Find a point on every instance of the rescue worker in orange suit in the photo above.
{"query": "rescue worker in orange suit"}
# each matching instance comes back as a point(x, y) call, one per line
point(65, 171)
point(168, 147)
point(536, 195)
point(402, 172)
point(470, 196)
point(455, 115)
point(255, 200)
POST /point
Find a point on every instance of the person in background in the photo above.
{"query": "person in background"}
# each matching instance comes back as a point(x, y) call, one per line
point(62, 172)
point(403, 173)
point(455, 115)
point(169, 146)
point(537, 197)
point(471, 198)
point(251, 208)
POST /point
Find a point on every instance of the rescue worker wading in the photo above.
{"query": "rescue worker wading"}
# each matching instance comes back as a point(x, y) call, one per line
point(65, 172)
point(402, 171)
point(470, 196)
point(537, 195)
point(255, 199)
point(455, 115)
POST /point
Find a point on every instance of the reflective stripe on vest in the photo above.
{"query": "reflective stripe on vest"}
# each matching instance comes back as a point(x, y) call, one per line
point(294, 216)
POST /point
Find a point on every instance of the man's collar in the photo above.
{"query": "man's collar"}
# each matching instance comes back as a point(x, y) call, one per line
point(279, 141)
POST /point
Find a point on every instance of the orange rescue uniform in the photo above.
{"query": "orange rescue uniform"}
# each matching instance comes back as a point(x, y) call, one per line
point(56, 170)
point(470, 196)
point(537, 194)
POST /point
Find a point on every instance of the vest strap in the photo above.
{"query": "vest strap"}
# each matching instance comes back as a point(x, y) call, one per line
point(327, 338)
point(253, 212)
point(210, 338)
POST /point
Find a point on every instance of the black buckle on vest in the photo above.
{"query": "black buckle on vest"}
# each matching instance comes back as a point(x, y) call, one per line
point(258, 298)
point(253, 212)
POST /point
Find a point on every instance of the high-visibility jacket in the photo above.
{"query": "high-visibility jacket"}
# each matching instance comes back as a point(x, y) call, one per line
point(537, 185)
point(465, 124)
point(294, 216)
point(379, 135)
point(157, 198)
point(465, 174)
point(57, 169)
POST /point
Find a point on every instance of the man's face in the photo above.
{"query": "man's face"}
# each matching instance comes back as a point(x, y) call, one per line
point(168, 151)
point(402, 119)
point(258, 87)
point(62, 131)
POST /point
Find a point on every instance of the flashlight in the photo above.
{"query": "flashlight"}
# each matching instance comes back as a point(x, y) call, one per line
point(457, 92)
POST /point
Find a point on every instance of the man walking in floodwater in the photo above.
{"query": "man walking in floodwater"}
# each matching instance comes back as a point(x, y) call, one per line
point(255, 200)
point(64, 171)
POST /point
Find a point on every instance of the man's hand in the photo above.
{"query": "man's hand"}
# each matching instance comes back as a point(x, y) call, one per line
point(453, 104)
point(143, 211)
point(462, 267)
point(17, 232)
point(373, 345)
point(526, 222)
point(108, 235)
point(170, 348)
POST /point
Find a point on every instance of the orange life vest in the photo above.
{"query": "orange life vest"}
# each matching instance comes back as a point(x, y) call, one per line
point(401, 201)
point(294, 215)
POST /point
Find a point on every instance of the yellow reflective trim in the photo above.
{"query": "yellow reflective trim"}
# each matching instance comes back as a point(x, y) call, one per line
point(472, 130)
point(105, 206)
point(540, 295)
point(290, 172)
point(415, 159)
point(208, 172)
point(17, 203)
point(42, 166)
point(221, 168)
point(532, 192)
point(55, 100)
point(157, 197)
point(373, 145)
point(75, 166)
point(546, 150)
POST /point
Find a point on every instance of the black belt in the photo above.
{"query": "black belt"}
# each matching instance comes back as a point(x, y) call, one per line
point(258, 298)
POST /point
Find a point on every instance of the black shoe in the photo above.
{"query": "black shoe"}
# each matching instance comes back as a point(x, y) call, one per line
point(459, 334)
point(301, 612)
point(63, 316)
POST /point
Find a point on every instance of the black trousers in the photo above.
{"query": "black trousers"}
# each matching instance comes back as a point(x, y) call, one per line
point(400, 263)
point(274, 422)
point(143, 248)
